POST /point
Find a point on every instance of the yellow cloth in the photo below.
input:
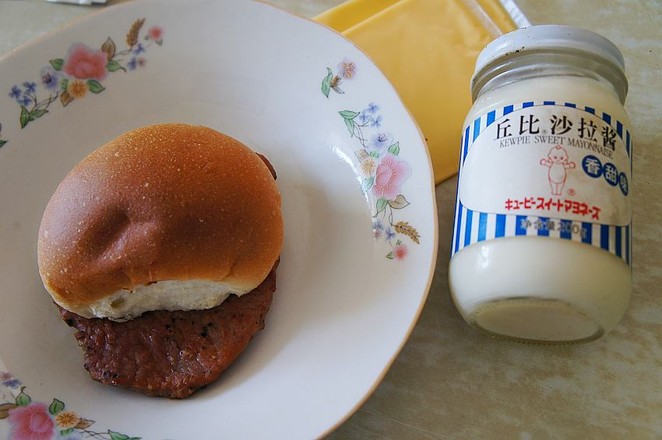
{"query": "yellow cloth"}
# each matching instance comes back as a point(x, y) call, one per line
point(427, 49)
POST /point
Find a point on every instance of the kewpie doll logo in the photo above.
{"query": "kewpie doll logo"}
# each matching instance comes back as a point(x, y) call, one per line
point(558, 164)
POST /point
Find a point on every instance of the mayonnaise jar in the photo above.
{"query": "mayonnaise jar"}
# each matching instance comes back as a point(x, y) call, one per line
point(541, 247)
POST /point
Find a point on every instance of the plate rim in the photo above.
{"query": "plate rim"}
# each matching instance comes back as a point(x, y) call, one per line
point(434, 239)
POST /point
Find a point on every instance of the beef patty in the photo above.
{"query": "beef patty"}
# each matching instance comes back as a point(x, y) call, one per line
point(172, 354)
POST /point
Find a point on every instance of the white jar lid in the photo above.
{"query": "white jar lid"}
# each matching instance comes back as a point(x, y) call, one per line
point(550, 37)
point(547, 39)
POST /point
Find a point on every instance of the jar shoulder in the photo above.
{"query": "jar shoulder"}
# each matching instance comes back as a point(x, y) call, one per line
point(576, 90)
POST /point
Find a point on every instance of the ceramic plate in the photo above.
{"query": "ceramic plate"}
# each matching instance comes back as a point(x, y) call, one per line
point(358, 203)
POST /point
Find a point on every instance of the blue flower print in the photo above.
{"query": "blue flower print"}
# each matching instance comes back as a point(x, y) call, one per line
point(50, 78)
point(380, 142)
point(372, 108)
point(25, 100)
point(15, 92)
point(376, 121)
point(9, 381)
point(29, 87)
point(139, 49)
point(364, 119)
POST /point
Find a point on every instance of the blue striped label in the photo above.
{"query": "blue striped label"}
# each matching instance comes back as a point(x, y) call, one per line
point(566, 217)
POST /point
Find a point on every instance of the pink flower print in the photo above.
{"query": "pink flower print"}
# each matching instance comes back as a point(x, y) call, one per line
point(155, 33)
point(400, 252)
point(391, 174)
point(83, 62)
point(31, 422)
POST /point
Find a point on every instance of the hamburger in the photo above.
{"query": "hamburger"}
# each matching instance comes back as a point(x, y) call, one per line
point(160, 248)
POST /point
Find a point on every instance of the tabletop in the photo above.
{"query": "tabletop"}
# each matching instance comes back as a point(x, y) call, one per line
point(449, 380)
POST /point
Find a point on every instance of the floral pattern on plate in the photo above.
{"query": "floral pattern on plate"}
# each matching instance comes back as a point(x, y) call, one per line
point(31, 420)
point(382, 171)
point(81, 71)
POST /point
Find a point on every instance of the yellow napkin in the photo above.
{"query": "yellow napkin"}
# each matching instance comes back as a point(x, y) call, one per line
point(427, 49)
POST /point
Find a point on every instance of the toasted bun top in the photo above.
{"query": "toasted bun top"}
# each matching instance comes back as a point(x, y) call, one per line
point(170, 202)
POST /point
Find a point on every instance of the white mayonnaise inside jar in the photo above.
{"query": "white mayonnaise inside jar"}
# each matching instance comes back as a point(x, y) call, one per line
point(541, 247)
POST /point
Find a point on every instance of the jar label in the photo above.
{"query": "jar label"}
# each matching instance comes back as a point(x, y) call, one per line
point(548, 169)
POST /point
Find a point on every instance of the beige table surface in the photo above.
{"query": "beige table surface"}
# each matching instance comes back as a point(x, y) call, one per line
point(451, 381)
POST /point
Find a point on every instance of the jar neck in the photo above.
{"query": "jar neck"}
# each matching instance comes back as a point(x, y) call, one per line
point(540, 64)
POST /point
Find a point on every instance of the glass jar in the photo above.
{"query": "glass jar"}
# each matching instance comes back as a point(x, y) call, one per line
point(541, 247)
